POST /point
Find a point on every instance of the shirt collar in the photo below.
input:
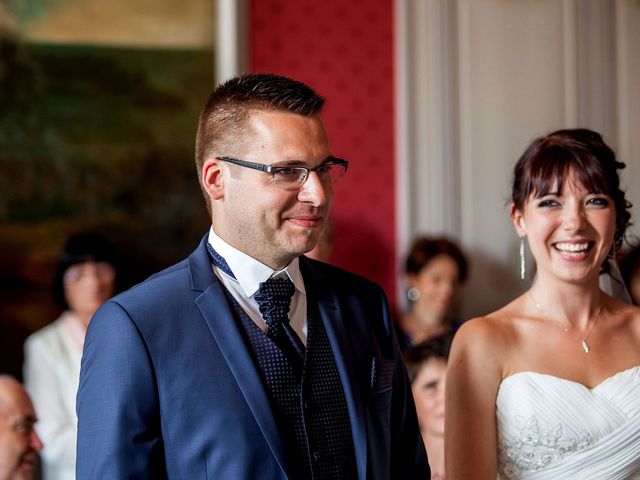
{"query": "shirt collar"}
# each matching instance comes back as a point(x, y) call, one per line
point(249, 272)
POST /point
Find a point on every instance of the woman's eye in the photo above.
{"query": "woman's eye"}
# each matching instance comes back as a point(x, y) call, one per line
point(598, 201)
point(547, 202)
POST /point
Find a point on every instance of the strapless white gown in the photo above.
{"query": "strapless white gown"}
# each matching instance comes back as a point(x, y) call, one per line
point(553, 428)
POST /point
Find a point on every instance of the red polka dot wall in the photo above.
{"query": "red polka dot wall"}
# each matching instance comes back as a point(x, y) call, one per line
point(344, 50)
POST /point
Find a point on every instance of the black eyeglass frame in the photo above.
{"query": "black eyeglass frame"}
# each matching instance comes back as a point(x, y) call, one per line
point(275, 169)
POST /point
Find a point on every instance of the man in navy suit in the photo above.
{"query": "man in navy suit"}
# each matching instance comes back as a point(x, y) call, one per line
point(248, 360)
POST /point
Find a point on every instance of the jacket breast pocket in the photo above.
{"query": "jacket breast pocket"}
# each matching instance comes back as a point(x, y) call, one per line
point(381, 382)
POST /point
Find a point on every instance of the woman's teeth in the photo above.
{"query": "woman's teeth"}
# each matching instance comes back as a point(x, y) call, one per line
point(572, 247)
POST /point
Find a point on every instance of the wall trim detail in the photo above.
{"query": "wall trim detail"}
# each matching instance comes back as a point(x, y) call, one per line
point(232, 42)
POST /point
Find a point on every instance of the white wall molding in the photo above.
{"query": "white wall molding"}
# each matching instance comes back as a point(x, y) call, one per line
point(427, 185)
point(570, 62)
point(627, 40)
point(597, 66)
point(427, 116)
point(402, 139)
point(232, 42)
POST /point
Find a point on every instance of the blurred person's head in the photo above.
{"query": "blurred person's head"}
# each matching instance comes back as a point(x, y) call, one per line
point(85, 275)
point(435, 268)
point(630, 270)
point(19, 442)
point(426, 364)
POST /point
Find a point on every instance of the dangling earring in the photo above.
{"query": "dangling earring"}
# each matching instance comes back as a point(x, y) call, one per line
point(413, 294)
point(522, 259)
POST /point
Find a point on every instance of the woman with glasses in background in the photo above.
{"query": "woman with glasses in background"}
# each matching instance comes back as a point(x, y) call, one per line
point(85, 277)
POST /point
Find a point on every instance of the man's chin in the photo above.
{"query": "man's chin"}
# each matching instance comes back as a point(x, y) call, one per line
point(303, 239)
point(294, 244)
point(297, 252)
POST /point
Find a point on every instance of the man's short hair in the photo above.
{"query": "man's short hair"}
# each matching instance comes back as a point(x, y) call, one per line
point(223, 118)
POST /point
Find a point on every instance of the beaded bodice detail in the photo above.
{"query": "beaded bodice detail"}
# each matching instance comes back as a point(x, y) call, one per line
point(535, 448)
point(549, 427)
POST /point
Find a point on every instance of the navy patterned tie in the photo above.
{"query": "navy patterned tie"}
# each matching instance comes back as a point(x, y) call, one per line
point(274, 299)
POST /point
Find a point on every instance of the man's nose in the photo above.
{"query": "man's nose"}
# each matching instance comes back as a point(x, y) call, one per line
point(314, 191)
point(35, 442)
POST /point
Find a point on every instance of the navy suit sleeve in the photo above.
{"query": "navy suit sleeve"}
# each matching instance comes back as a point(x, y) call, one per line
point(117, 403)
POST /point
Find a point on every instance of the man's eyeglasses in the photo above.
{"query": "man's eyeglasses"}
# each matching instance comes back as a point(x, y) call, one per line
point(292, 177)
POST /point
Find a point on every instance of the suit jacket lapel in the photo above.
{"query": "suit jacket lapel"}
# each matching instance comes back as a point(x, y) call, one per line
point(219, 318)
point(328, 306)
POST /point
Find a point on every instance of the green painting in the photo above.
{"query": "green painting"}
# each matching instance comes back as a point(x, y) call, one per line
point(97, 128)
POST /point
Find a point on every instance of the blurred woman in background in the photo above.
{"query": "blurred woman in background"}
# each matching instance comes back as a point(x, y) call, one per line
point(427, 368)
point(436, 269)
point(85, 277)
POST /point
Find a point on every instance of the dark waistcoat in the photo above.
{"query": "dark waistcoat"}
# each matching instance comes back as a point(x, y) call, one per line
point(307, 400)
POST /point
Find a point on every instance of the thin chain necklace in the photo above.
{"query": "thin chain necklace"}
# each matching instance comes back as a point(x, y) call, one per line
point(565, 329)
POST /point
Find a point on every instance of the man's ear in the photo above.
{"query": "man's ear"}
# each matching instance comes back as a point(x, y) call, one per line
point(517, 216)
point(213, 177)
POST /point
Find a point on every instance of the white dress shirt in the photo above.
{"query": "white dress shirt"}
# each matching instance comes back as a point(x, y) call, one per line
point(250, 273)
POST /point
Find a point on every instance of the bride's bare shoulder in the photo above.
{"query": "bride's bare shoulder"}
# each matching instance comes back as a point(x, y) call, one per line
point(492, 333)
point(493, 325)
point(481, 352)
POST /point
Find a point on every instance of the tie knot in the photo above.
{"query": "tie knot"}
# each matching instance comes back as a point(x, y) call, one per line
point(274, 299)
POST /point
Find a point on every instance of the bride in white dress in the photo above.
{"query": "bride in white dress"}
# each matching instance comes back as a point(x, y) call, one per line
point(548, 387)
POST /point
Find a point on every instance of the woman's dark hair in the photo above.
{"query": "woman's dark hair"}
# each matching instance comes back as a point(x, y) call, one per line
point(79, 248)
point(417, 355)
point(630, 263)
point(547, 162)
point(425, 249)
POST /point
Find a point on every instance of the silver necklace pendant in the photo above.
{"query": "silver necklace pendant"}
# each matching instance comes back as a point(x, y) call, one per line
point(565, 329)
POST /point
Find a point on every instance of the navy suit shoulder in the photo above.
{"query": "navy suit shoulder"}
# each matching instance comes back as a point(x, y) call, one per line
point(364, 299)
point(157, 394)
point(343, 283)
point(149, 294)
point(339, 274)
